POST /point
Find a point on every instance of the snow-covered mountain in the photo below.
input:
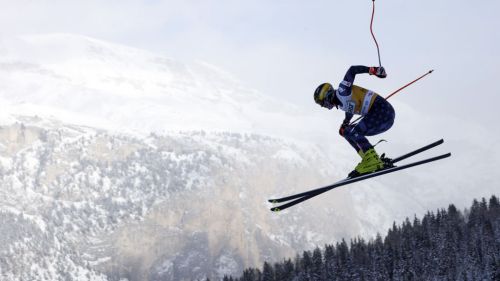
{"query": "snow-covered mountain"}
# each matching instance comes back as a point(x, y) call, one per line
point(98, 183)
point(90, 82)
point(118, 163)
point(83, 203)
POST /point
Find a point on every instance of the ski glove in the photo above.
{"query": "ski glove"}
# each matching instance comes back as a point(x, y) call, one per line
point(343, 127)
point(377, 71)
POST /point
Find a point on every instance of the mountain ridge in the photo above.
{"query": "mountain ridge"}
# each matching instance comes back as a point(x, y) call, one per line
point(102, 83)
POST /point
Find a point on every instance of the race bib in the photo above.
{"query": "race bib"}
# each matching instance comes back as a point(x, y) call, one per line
point(350, 107)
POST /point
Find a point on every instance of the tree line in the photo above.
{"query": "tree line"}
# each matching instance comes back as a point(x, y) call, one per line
point(445, 245)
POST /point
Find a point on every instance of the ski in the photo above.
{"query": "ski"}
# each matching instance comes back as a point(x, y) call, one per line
point(390, 164)
point(315, 192)
point(417, 151)
point(300, 197)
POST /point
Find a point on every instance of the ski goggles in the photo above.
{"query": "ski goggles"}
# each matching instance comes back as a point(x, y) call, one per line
point(326, 103)
point(324, 96)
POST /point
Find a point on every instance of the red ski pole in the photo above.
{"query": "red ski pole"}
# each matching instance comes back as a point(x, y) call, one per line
point(373, 35)
point(395, 92)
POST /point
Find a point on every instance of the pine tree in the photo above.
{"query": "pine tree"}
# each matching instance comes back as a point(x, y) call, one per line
point(406, 247)
point(279, 272)
point(317, 265)
point(250, 274)
point(330, 267)
point(267, 272)
point(298, 265)
point(378, 268)
point(289, 270)
point(343, 261)
point(307, 265)
point(359, 257)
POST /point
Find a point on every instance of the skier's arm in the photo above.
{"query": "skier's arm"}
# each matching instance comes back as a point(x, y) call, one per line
point(353, 70)
point(347, 119)
point(359, 69)
point(345, 123)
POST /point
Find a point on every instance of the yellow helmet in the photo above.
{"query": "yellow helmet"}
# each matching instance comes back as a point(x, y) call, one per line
point(321, 93)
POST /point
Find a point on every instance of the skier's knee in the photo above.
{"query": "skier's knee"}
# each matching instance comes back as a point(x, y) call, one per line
point(349, 133)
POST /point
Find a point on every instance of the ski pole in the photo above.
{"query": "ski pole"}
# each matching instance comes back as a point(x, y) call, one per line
point(395, 92)
point(371, 30)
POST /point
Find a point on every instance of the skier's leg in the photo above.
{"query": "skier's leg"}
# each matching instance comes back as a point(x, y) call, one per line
point(378, 120)
point(355, 135)
point(381, 117)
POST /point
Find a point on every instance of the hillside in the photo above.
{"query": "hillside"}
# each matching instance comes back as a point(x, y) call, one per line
point(443, 245)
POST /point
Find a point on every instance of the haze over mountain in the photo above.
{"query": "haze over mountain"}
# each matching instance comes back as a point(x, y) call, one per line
point(91, 82)
point(119, 163)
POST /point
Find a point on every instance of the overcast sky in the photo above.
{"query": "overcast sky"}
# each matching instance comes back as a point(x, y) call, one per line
point(285, 48)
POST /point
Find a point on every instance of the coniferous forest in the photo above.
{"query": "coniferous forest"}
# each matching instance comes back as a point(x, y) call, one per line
point(445, 245)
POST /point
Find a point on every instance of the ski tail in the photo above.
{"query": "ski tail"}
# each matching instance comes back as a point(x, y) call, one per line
point(302, 194)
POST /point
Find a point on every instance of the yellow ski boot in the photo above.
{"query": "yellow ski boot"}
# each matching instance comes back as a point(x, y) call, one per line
point(370, 162)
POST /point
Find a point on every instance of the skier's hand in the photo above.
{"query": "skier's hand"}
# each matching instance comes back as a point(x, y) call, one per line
point(341, 130)
point(377, 71)
point(343, 127)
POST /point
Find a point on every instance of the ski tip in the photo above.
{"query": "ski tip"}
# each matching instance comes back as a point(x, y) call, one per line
point(273, 201)
point(275, 210)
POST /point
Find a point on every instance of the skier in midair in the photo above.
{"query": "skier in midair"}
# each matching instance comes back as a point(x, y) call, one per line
point(378, 115)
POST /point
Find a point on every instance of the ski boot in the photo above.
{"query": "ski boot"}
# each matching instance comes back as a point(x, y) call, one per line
point(370, 162)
